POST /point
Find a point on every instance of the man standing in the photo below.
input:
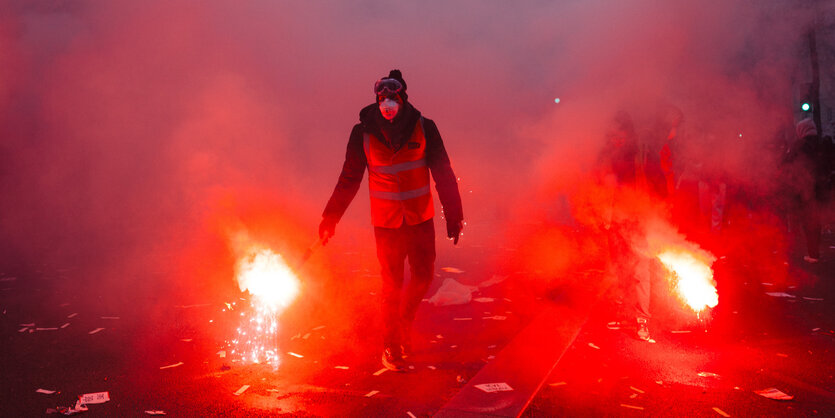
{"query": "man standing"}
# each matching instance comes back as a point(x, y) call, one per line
point(400, 148)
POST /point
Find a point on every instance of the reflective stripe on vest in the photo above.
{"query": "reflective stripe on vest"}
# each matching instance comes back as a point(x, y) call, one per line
point(396, 168)
point(411, 194)
point(398, 181)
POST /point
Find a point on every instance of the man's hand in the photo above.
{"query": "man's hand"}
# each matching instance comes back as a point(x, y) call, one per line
point(453, 230)
point(326, 229)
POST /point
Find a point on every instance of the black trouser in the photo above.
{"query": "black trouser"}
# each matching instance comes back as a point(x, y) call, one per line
point(394, 245)
point(631, 267)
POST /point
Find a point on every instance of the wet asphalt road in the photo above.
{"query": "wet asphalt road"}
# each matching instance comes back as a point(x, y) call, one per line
point(751, 342)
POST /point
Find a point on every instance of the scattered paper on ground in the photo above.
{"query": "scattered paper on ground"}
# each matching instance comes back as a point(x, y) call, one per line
point(483, 300)
point(782, 355)
point(93, 398)
point(177, 364)
point(685, 331)
point(318, 328)
point(341, 367)
point(110, 317)
point(295, 355)
point(46, 391)
point(221, 353)
point(808, 298)
point(720, 412)
point(452, 270)
point(613, 325)
point(462, 319)
point(774, 393)
point(381, 371)
point(65, 325)
point(72, 315)
point(494, 387)
point(779, 294)
point(372, 393)
point(149, 412)
point(594, 346)
point(553, 385)
point(241, 390)
point(47, 329)
point(410, 414)
point(632, 406)
point(636, 389)
point(96, 330)
point(496, 279)
point(452, 292)
point(708, 374)
point(431, 367)
point(495, 317)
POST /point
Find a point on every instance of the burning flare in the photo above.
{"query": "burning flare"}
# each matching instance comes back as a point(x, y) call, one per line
point(692, 276)
point(267, 278)
point(273, 286)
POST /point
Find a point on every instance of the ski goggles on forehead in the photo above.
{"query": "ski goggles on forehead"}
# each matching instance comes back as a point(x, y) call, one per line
point(387, 87)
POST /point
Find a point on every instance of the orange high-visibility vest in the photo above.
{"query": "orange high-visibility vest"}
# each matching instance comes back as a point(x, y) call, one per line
point(398, 182)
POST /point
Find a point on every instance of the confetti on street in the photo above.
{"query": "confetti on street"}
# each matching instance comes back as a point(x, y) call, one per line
point(372, 393)
point(96, 330)
point(494, 387)
point(774, 393)
point(241, 390)
point(171, 366)
point(720, 412)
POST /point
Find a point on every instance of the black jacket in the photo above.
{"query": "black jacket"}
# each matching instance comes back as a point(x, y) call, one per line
point(395, 134)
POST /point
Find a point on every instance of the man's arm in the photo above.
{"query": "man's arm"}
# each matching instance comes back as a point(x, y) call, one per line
point(445, 181)
point(349, 180)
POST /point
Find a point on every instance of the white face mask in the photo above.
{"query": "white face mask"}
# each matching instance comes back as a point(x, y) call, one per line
point(389, 108)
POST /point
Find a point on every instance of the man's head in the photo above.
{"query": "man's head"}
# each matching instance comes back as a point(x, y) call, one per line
point(391, 94)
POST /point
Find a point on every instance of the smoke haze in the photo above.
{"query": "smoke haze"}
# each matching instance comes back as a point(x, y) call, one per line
point(136, 133)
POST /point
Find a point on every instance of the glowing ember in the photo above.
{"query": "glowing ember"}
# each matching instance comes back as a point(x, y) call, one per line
point(693, 278)
point(273, 286)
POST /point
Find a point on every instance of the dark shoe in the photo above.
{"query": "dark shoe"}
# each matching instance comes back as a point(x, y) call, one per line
point(393, 361)
point(643, 330)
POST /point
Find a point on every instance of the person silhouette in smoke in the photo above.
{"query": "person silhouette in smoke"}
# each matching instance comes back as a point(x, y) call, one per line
point(400, 148)
point(623, 168)
point(809, 167)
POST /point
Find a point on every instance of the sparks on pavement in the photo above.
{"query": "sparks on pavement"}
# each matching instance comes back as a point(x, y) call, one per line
point(273, 286)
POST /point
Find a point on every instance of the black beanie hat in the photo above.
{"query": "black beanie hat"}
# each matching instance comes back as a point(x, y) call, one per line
point(397, 75)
